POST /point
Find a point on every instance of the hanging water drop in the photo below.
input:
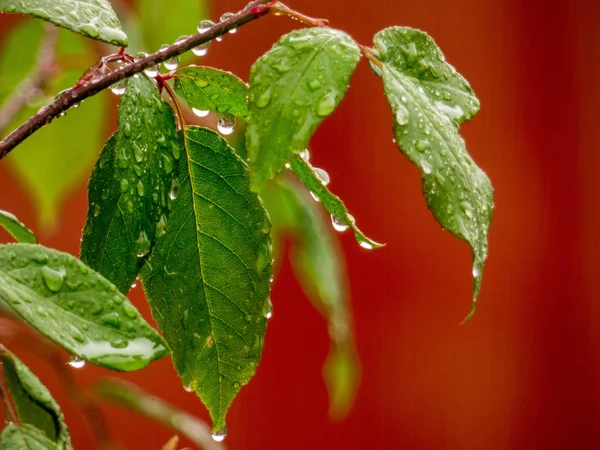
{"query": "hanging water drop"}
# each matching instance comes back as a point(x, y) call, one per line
point(119, 87)
point(201, 49)
point(338, 225)
point(171, 63)
point(225, 123)
point(366, 245)
point(219, 435)
point(228, 16)
point(477, 270)
point(76, 362)
point(322, 176)
point(200, 112)
point(187, 388)
point(269, 312)
point(142, 244)
point(151, 71)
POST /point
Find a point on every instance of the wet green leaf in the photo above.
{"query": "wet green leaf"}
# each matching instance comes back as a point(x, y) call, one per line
point(131, 186)
point(429, 100)
point(331, 202)
point(76, 307)
point(92, 18)
point(34, 406)
point(293, 87)
point(164, 21)
point(207, 279)
point(318, 262)
point(25, 437)
point(210, 89)
point(16, 228)
point(56, 159)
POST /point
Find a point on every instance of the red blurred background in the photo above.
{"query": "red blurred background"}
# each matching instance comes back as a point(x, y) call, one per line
point(524, 373)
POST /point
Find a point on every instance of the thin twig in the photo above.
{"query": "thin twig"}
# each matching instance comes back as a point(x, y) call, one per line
point(76, 94)
point(279, 9)
point(42, 72)
point(366, 51)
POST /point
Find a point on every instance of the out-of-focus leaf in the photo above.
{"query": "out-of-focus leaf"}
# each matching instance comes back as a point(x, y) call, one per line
point(210, 89)
point(318, 263)
point(132, 397)
point(331, 202)
point(132, 184)
point(164, 21)
point(16, 228)
point(429, 100)
point(33, 405)
point(76, 307)
point(207, 281)
point(293, 87)
point(92, 18)
point(25, 437)
point(57, 158)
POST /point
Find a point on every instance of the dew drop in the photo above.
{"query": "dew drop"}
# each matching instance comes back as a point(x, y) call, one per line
point(314, 196)
point(326, 104)
point(54, 279)
point(269, 312)
point(76, 362)
point(225, 123)
point(228, 16)
point(426, 167)
point(338, 225)
point(264, 99)
point(477, 269)
point(201, 49)
point(142, 244)
point(322, 176)
point(129, 311)
point(305, 155)
point(366, 245)
point(219, 435)
point(119, 87)
point(150, 71)
point(200, 112)
point(205, 25)
point(402, 115)
point(187, 388)
point(172, 63)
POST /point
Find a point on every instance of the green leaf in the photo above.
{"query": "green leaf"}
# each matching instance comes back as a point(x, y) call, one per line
point(429, 99)
point(16, 228)
point(25, 437)
point(55, 160)
point(163, 21)
point(293, 87)
point(76, 307)
point(32, 402)
point(130, 396)
point(131, 186)
point(331, 202)
point(210, 89)
point(207, 281)
point(318, 263)
point(92, 18)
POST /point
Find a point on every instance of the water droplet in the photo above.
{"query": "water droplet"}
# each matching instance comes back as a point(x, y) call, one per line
point(219, 435)
point(322, 176)
point(264, 99)
point(124, 185)
point(314, 196)
point(76, 362)
point(129, 310)
point(173, 190)
point(172, 63)
point(40, 258)
point(326, 104)
point(201, 49)
point(314, 84)
point(338, 225)
point(205, 25)
point(96, 210)
point(140, 188)
point(54, 279)
point(366, 245)
point(112, 319)
point(142, 244)
point(188, 388)
point(119, 87)
point(269, 312)
point(152, 70)
point(305, 155)
point(225, 123)
point(426, 166)
point(200, 112)
point(227, 16)
point(477, 269)
point(402, 115)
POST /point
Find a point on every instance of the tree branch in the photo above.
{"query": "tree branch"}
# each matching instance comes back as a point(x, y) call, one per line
point(38, 80)
point(80, 92)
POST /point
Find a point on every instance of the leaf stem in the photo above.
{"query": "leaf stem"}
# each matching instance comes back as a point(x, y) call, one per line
point(163, 84)
point(366, 51)
point(78, 93)
point(279, 9)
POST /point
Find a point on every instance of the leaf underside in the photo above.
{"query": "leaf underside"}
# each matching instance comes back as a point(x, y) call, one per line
point(131, 187)
point(429, 101)
point(293, 87)
point(34, 407)
point(210, 89)
point(92, 18)
point(76, 307)
point(207, 280)
point(16, 228)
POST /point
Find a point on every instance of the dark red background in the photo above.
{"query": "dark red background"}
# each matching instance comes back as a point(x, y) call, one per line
point(525, 372)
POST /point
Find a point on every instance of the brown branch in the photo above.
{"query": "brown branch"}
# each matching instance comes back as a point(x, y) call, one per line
point(27, 90)
point(89, 88)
